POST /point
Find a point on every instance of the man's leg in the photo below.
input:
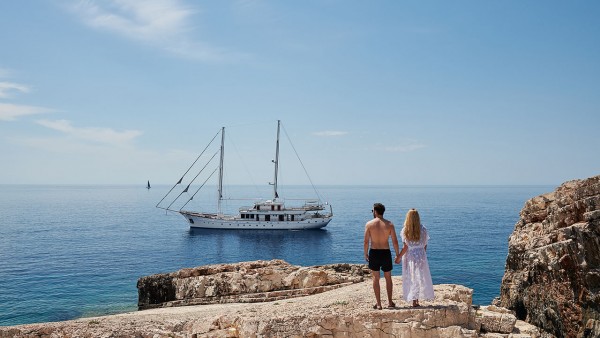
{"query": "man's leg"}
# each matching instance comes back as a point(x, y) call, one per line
point(388, 286)
point(375, 275)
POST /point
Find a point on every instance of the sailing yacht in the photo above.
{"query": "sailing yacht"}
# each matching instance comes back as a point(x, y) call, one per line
point(263, 214)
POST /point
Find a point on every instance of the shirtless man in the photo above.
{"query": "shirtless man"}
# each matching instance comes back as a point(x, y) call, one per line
point(377, 234)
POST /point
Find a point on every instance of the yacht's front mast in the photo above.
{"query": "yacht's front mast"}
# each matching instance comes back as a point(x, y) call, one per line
point(276, 161)
point(221, 171)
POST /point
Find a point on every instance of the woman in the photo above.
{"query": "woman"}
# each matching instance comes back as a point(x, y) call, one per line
point(416, 278)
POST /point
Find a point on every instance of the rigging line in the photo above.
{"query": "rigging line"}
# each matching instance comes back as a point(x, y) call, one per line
point(305, 171)
point(188, 186)
point(201, 170)
point(178, 182)
point(191, 198)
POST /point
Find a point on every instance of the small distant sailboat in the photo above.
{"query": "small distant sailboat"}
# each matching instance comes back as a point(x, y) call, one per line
point(148, 187)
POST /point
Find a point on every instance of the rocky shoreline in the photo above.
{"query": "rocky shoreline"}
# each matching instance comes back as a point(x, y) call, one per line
point(341, 312)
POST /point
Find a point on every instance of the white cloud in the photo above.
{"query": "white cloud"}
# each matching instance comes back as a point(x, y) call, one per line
point(404, 148)
point(98, 135)
point(160, 23)
point(6, 88)
point(330, 133)
point(10, 112)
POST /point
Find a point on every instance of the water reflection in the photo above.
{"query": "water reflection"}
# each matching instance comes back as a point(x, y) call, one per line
point(303, 247)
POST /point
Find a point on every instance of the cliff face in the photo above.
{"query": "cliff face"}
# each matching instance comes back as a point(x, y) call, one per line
point(552, 274)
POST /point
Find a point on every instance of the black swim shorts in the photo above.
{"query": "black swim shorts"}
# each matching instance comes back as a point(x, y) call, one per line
point(380, 259)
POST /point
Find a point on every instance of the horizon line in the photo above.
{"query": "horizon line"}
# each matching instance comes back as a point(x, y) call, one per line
point(301, 185)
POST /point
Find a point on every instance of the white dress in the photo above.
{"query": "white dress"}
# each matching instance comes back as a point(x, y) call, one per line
point(416, 278)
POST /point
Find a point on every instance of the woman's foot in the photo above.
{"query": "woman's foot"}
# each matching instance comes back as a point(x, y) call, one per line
point(377, 307)
point(416, 303)
point(391, 305)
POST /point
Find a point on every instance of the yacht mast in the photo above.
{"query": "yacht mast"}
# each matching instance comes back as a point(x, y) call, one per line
point(221, 171)
point(276, 161)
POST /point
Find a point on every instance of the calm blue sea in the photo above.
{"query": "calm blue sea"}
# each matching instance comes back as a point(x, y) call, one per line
point(74, 251)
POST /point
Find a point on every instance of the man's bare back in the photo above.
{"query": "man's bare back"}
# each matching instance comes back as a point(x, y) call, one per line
point(380, 230)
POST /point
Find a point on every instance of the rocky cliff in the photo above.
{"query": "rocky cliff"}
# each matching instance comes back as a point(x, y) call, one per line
point(552, 276)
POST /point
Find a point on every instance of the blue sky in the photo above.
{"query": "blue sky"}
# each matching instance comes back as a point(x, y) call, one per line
point(385, 92)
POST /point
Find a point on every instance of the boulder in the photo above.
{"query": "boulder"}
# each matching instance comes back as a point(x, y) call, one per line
point(495, 319)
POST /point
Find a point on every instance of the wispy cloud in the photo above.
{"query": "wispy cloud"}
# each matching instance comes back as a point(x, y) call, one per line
point(404, 148)
point(7, 88)
point(163, 24)
point(97, 135)
point(10, 112)
point(330, 133)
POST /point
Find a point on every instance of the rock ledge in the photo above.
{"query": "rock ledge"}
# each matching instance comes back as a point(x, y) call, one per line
point(245, 282)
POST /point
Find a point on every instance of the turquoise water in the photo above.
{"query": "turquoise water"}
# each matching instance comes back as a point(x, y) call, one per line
point(73, 251)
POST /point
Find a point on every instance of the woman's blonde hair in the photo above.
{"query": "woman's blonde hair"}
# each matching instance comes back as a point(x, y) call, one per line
point(412, 225)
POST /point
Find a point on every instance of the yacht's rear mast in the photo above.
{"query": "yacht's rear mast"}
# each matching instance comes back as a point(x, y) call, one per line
point(276, 162)
point(221, 171)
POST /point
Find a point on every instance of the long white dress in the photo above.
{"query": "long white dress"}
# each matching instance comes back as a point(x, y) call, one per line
point(416, 278)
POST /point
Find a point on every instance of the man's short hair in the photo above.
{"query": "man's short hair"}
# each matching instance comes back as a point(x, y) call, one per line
point(379, 208)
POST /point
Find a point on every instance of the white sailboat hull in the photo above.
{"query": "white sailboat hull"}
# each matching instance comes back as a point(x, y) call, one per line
point(208, 221)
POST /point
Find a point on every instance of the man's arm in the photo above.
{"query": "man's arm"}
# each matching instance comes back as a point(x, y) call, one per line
point(394, 240)
point(366, 242)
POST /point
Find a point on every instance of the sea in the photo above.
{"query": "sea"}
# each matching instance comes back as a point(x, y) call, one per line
point(73, 251)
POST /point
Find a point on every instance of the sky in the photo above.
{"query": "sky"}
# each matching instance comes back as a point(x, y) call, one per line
point(369, 92)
